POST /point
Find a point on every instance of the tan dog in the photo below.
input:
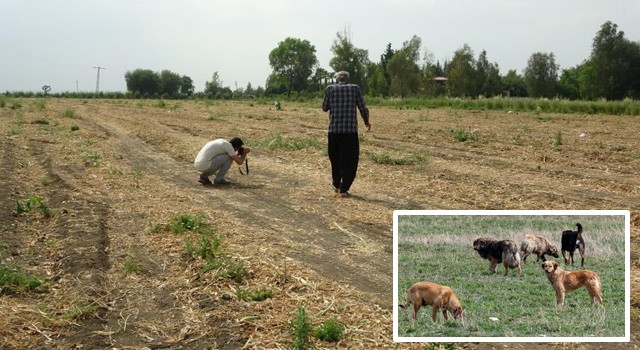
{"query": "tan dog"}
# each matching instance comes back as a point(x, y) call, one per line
point(568, 281)
point(427, 293)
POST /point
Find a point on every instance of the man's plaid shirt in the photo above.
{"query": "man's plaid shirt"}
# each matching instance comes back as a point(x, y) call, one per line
point(341, 101)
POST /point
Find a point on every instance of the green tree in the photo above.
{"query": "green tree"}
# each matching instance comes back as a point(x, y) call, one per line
point(376, 81)
point(144, 81)
point(293, 62)
point(541, 75)
point(186, 86)
point(213, 88)
point(569, 83)
point(170, 83)
point(346, 57)
point(613, 70)
point(488, 75)
point(514, 84)
point(404, 70)
point(384, 61)
point(462, 78)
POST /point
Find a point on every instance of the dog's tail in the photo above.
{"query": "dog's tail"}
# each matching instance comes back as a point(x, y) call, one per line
point(579, 229)
point(511, 258)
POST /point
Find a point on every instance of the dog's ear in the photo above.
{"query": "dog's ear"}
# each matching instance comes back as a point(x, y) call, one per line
point(555, 265)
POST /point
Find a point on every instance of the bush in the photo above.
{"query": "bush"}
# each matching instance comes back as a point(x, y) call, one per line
point(329, 331)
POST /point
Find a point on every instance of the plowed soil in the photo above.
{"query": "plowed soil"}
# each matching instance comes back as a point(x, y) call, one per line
point(114, 171)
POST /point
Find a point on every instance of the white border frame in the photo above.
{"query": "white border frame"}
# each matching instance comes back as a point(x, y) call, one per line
point(627, 282)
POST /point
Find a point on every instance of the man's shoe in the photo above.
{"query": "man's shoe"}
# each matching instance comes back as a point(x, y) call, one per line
point(204, 180)
point(222, 182)
point(344, 195)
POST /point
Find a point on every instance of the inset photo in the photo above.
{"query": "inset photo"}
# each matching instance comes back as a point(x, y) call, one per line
point(511, 276)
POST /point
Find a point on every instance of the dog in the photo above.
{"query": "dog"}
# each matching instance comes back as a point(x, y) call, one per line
point(505, 252)
point(572, 240)
point(539, 245)
point(428, 293)
point(568, 281)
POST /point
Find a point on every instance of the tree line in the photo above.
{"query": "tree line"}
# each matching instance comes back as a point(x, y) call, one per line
point(611, 72)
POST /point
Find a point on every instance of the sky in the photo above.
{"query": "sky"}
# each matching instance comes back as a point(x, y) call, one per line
point(58, 43)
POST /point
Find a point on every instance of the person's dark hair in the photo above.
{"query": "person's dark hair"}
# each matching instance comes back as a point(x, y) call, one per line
point(236, 142)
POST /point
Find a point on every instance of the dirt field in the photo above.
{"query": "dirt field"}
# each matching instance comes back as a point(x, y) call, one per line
point(127, 169)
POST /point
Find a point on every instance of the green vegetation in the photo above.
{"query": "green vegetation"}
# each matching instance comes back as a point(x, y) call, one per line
point(33, 202)
point(91, 158)
point(439, 249)
point(329, 331)
point(70, 113)
point(131, 266)
point(254, 294)
point(186, 222)
point(384, 158)
point(463, 135)
point(301, 329)
point(13, 280)
point(276, 141)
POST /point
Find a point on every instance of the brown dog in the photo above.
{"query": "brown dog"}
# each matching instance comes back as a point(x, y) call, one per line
point(538, 245)
point(427, 293)
point(568, 281)
point(505, 252)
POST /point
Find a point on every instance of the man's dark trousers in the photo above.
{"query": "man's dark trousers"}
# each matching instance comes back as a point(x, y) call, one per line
point(344, 151)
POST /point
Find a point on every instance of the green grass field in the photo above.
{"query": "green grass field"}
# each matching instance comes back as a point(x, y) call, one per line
point(439, 249)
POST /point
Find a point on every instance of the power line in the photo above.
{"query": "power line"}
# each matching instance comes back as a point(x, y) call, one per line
point(98, 79)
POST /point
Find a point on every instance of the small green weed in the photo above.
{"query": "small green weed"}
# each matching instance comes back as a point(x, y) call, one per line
point(254, 294)
point(131, 266)
point(462, 135)
point(13, 280)
point(70, 113)
point(329, 331)
point(301, 330)
point(235, 271)
point(91, 158)
point(276, 141)
point(75, 128)
point(80, 312)
point(185, 222)
point(33, 202)
point(45, 181)
point(557, 140)
point(384, 158)
point(204, 247)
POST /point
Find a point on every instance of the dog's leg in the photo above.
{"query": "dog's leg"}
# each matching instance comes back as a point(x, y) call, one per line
point(506, 267)
point(559, 297)
point(564, 256)
point(444, 313)
point(435, 312)
point(414, 315)
point(492, 265)
point(581, 250)
point(571, 258)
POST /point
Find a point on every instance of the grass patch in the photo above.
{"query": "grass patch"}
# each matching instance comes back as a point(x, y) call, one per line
point(557, 140)
point(439, 249)
point(41, 122)
point(194, 223)
point(69, 113)
point(91, 158)
point(13, 280)
point(131, 266)
point(33, 202)
point(254, 294)
point(330, 331)
point(74, 128)
point(384, 158)
point(463, 135)
point(276, 141)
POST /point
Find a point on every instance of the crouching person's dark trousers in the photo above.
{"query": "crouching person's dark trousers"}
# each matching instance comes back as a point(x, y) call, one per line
point(344, 150)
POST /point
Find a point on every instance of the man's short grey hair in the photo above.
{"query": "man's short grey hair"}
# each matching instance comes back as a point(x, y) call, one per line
point(341, 77)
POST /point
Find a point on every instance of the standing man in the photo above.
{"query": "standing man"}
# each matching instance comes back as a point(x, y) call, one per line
point(217, 156)
point(341, 100)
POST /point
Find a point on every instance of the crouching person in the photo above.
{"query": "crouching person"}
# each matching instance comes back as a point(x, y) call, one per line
point(216, 157)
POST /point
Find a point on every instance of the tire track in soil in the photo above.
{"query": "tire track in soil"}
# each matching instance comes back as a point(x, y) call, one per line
point(309, 238)
point(81, 228)
point(8, 235)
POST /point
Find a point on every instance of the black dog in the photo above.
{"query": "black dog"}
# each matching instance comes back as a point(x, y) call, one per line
point(505, 252)
point(572, 240)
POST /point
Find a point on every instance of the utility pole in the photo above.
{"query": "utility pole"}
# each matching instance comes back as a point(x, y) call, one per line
point(98, 79)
